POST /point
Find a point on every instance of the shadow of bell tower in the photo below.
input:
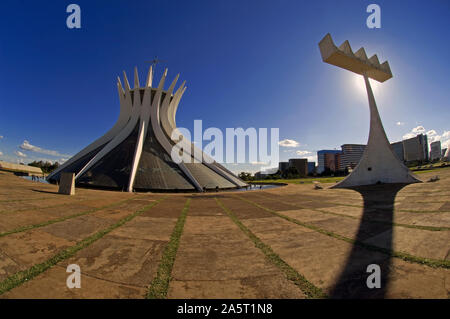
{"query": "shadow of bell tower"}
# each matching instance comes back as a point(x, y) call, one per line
point(379, 203)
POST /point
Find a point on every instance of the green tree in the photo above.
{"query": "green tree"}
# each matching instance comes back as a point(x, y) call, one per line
point(245, 176)
point(290, 172)
point(46, 166)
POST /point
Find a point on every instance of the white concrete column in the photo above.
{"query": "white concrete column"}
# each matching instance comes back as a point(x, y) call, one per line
point(379, 162)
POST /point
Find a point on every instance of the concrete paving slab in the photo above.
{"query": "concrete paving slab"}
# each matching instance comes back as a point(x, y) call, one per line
point(205, 206)
point(208, 252)
point(244, 210)
point(215, 258)
point(270, 204)
point(422, 243)
point(76, 229)
point(409, 280)
point(123, 260)
point(32, 247)
point(318, 257)
point(8, 266)
point(52, 285)
point(258, 287)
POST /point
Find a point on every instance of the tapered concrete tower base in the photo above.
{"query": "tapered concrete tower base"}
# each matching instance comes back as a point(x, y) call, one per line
point(378, 163)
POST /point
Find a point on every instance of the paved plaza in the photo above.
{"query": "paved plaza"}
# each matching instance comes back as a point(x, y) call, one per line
point(286, 242)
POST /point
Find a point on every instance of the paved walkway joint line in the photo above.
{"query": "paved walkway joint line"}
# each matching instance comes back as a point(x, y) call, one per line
point(372, 220)
point(435, 263)
point(308, 288)
point(57, 220)
point(21, 277)
point(160, 285)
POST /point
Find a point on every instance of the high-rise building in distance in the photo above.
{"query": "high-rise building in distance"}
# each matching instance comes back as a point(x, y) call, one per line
point(328, 159)
point(351, 155)
point(416, 148)
point(436, 151)
point(301, 164)
point(311, 167)
point(282, 166)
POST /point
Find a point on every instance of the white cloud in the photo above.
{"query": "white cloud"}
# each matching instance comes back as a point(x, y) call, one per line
point(408, 135)
point(400, 123)
point(432, 136)
point(418, 130)
point(258, 163)
point(1, 136)
point(434, 139)
point(1, 153)
point(414, 132)
point(270, 170)
point(302, 153)
point(445, 139)
point(20, 154)
point(27, 146)
point(289, 143)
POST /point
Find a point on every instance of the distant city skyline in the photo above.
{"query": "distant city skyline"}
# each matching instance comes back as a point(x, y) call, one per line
point(247, 64)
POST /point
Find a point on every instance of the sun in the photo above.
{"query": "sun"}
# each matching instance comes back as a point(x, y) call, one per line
point(360, 86)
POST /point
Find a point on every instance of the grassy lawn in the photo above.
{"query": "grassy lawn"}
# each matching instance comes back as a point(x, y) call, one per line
point(430, 166)
point(435, 169)
point(424, 171)
point(328, 179)
point(307, 180)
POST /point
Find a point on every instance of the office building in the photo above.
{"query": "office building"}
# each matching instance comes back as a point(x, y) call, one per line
point(301, 164)
point(446, 156)
point(311, 167)
point(282, 166)
point(351, 155)
point(328, 160)
point(416, 148)
point(397, 147)
point(436, 151)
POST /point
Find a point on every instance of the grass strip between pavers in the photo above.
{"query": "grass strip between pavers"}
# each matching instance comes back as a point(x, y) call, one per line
point(75, 201)
point(310, 290)
point(160, 284)
point(377, 221)
point(61, 219)
point(435, 263)
point(21, 277)
point(370, 220)
point(23, 200)
point(398, 210)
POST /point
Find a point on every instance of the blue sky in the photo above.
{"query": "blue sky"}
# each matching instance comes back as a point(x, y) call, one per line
point(246, 63)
